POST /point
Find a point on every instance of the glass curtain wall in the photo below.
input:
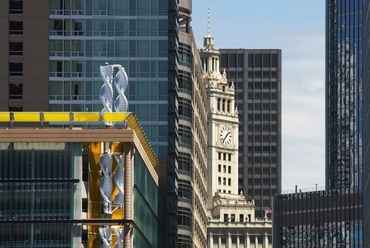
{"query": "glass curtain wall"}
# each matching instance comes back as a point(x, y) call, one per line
point(85, 34)
point(37, 189)
point(344, 94)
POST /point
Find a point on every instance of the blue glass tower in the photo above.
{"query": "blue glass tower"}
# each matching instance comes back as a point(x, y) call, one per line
point(366, 116)
point(334, 217)
point(344, 94)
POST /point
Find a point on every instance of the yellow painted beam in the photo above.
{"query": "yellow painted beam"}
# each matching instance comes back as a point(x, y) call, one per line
point(26, 116)
point(4, 116)
point(63, 116)
point(86, 116)
point(56, 116)
point(115, 117)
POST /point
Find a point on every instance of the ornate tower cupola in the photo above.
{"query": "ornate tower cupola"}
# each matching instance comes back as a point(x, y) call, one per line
point(210, 56)
point(222, 166)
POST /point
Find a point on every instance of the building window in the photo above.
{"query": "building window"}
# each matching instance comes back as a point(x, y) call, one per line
point(229, 181)
point(223, 239)
point(15, 69)
point(184, 217)
point(233, 239)
point(15, 27)
point(15, 91)
point(185, 190)
point(241, 239)
point(232, 217)
point(226, 217)
point(224, 168)
point(219, 168)
point(15, 48)
point(224, 181)
point(229, 157)
point(215, 239)
point(219, 180)
point(229, 169)
point(15, 6)
point(15, 109)
point(241, 217)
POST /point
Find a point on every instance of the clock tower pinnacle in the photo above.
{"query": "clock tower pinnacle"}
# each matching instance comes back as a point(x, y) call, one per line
point(222, 170)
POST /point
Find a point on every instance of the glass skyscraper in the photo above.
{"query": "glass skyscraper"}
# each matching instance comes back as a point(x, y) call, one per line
point(344, 93)
point(366, 129)
point(334, 217)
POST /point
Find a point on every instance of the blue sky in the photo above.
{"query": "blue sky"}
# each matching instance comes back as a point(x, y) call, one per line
point(297, 27)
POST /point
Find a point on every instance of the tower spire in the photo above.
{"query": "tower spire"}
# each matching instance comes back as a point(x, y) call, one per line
point(209, 22)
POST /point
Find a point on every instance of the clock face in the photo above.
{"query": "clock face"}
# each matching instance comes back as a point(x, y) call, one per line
point(225, 135)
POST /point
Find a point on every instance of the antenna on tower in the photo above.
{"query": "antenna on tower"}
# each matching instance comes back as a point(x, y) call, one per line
point(209, 22)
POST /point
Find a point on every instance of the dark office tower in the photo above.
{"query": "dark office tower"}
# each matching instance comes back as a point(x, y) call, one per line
point(344, 93)
point(24, 55)
point(257, 77)
point(366, 120)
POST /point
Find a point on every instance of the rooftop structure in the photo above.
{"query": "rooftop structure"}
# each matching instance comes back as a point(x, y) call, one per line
point(76, 186)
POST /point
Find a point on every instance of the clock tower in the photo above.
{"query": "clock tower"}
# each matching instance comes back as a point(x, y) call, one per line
point(222, 170)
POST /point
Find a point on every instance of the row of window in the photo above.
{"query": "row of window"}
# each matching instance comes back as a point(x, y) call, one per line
point(185, 136)
point(224, 156)
point(223, 180)
point(15, 6)
point(85, 68)
point(110, 48)
point(242, 218)
point(264, 170)
point(224, 168)
point(262, 74)
point(262, 117)
point(262, 106)
point(259, 160)
point(265, 149)
point(254, 60)
point(15, 91)
point(252, 239)
point(185, 190)
point(185, 163)
point(259, 127)
point(223, 105)
point(262, 138)
point(15, 48)
point(271, 85)
point(113, 7)
point(88, 68)
point(184, 217)
point(89, 90)
point(262, 181)
point(185, 108)
point(15, 27)
point(255, 95)
point(108, 27)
